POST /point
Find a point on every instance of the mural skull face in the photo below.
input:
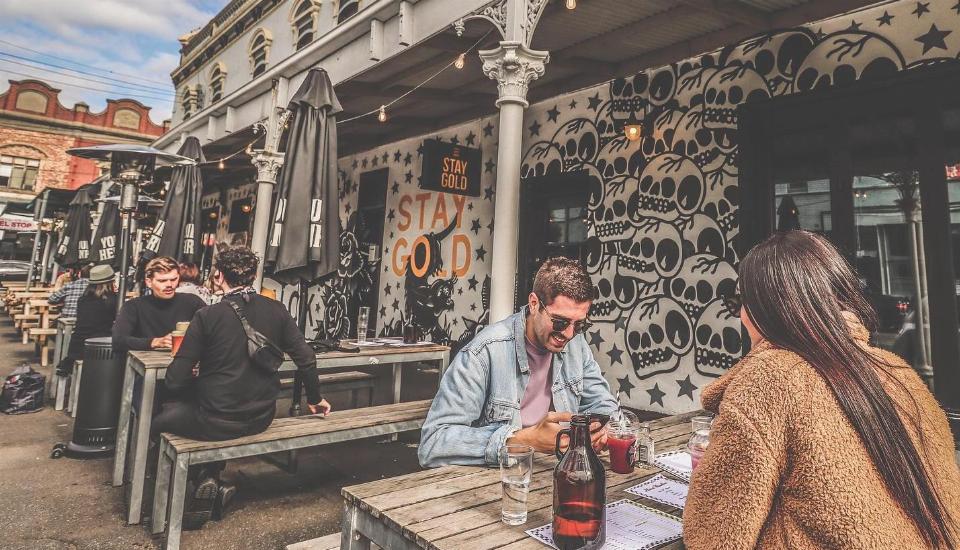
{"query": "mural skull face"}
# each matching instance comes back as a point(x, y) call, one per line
point(721, 205)
point(671, 188)
point(542, 158)
point(610, 221)
point(702, 235)
point(604, 308)
point(660, 139)
point(775, 56)
point(619, 157)
point(690, 87)
point(652, 254)
point(702, 279)
point(658, 334)
point(718, 340)
point(728, 88)
point(578, 141)
point(692, 139)
point(628, 98)
point(846, 57)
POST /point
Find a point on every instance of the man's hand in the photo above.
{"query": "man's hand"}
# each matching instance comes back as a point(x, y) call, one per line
point(321, 408)
point(163, 342)
point(598, 436)
point(543, 435)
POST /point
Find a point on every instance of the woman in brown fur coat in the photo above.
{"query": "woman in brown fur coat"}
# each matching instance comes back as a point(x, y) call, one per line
point(820, 440)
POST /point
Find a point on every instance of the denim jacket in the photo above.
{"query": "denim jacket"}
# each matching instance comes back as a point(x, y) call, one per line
point(478, 404)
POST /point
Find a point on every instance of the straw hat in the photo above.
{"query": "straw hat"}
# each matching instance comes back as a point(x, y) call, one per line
point(100, 274)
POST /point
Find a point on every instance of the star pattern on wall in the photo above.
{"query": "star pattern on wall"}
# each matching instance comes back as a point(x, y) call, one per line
point(488, 130)
point(922, 8)
point(573, 104)
point(553, 114)
point(854, 26)
point(656, 395)
point(956, 8)
point(396, 304)
point(885, 19)
point(420, 150)
point(596, 339)
point(473, 282)
point(471, 138)
point(396, 156)
point(534, 128)
point(455, 140)
point(490, 226)
point(489, 166)
point(355, 164)
point(620, 323)
point(686, 387)
point(386, 290)
point(407, 159)
point(594, 101)
point(395, 188)
point(376, 161)
point(385, 157)
point(364, 163)
point(383, 311)
point(475, 226)
point(481, 253)
point(488, 193)
point(625, 385)
point(391, 215)
point(934, 38)
point(615, 354)
point(408, 177)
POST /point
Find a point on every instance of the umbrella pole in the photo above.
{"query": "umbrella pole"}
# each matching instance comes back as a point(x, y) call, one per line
point(39, 213)
point(302, 323)
point(46, 257)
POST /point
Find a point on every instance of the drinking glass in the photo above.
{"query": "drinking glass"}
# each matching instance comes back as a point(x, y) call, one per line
point(699, 439)
point(362, 319)
point(622, 435)
point(516, 465)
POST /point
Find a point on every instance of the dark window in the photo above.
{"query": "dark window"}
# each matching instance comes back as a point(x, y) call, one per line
point(258, 54)
point(240, 215)
point(348, 8)
point(216, 85)
point(303, 23)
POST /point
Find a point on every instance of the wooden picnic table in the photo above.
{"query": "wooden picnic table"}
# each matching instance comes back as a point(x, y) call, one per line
point(458, 507)
point(151, 366)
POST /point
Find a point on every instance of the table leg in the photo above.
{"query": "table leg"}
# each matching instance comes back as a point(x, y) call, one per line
point(444, 363)
point(360, 528)
point(178, 493)
point(123, 424)
point(397, 376)
point(161, 493)
point(141, 443)
point(350, 537)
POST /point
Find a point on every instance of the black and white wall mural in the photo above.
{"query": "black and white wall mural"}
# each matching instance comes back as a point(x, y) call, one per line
point(663, 211)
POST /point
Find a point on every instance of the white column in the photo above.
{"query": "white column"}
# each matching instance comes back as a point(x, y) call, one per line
point(268, 166)
point(513, 66)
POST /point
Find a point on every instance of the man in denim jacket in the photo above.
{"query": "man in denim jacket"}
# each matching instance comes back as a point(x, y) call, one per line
point(519, 378)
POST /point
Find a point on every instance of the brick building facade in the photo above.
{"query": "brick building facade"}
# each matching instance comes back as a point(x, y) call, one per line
point(36, 130)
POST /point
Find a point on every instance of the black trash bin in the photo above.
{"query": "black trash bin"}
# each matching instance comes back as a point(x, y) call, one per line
point(98, 402)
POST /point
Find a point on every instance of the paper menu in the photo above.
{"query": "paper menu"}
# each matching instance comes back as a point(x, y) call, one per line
point(662, 489)
point(630, 526)
point(678, 463)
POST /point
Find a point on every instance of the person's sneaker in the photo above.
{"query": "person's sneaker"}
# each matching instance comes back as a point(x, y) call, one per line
point(199, 505)
point(222, 503)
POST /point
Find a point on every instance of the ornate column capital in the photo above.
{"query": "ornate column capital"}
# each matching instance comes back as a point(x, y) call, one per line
point(514, 66)
point(268, 165)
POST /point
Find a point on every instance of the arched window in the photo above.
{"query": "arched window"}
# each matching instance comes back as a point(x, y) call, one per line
point(347, 9)
point(186, 102)
point(218, 76)
point(304, 21)
point(259, 51)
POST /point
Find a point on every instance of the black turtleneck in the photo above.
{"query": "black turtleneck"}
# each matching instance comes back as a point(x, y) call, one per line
point(142, 319)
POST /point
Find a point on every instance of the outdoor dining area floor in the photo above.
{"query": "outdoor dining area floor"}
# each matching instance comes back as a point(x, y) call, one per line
point(70, 504)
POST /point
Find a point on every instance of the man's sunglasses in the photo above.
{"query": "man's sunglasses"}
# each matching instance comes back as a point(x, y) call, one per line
point(560, 325)
point(733, 303)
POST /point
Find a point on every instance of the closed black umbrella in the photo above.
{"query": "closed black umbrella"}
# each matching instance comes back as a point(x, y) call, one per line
point(304, 242)
point(177, 232)
point(788, 217)
point(74, 249)
point(103, 249)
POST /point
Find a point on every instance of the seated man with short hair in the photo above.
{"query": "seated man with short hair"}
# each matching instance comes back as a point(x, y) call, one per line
point(519, 378)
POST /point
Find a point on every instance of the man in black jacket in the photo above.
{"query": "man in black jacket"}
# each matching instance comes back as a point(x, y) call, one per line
point(225, 395)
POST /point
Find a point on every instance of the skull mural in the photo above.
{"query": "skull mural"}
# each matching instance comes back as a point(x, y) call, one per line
point(702, 235)
point(627, 98)
point(604, 308)
point(845, 57)
point(691, 85)
point(653, 253)
point(727, 89)
point(659, 333)
point(692, 139)
point(775, 56)
point(721, 204)
point(701, 279)
point(719, 342)
point(617, 158)
point(671, 188)
point(541, 159)
point(660, 139)
point(578, 141)
point(609, 221)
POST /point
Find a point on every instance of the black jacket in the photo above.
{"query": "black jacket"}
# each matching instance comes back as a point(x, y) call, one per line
point(228, 384)
point(147, 317)
point(94, 320)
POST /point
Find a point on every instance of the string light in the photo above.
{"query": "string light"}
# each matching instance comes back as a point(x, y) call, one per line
point(221, 165)
point(382, 117)
point(571, 4)
point(461, 61)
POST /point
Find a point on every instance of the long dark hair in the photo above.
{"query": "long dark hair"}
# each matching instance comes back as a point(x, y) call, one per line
point(795, 287)
point(100, 291)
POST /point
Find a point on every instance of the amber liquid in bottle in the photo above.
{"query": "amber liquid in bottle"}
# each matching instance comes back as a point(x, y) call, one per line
point(579, 493)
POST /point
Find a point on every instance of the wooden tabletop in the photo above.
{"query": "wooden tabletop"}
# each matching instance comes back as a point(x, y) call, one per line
point(459, 506)
point(161, 359)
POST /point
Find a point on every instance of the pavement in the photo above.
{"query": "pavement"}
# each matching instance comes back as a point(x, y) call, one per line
point(70, 504)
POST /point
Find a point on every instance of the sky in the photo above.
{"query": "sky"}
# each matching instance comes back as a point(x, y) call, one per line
point(94, 50)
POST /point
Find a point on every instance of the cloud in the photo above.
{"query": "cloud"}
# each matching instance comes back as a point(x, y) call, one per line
point(128, 47)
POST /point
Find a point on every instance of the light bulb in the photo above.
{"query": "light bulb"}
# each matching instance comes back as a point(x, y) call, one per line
point(461, 60)
point(571, 4)
point(632, 131)
point(220, 165)
point(383, 113)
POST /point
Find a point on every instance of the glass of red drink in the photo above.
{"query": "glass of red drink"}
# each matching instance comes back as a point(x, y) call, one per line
point(176, 338)
point(699, 439)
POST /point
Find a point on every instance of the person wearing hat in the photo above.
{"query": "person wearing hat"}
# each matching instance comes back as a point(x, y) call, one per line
point(96, 310)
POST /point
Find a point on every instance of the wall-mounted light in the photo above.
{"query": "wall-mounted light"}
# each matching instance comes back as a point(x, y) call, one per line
point(571, 4)
point(246, 208)
point(633, 128)
point(213, 215)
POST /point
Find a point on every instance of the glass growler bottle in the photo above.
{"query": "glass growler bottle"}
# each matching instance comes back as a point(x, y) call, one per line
point(579, 491)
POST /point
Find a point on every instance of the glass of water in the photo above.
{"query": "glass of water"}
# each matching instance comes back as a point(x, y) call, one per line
point(363, 317)
point(516, 465)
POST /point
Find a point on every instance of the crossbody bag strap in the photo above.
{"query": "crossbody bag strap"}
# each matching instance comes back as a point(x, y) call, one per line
point(243, 319)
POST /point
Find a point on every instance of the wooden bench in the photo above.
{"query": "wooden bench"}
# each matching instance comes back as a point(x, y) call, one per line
point(42, 337)
point(177, 453)
point(352, 381)
point(329, 542)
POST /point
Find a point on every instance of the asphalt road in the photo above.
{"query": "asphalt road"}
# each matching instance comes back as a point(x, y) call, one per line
point(70, 504)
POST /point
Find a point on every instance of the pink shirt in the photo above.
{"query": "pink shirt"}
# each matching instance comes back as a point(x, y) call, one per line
point(537, 397)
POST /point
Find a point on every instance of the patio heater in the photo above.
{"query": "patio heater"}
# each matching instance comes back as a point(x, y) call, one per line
point(131, 166)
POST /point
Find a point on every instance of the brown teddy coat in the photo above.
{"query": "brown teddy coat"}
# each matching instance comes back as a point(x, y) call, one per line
point(785, 469)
